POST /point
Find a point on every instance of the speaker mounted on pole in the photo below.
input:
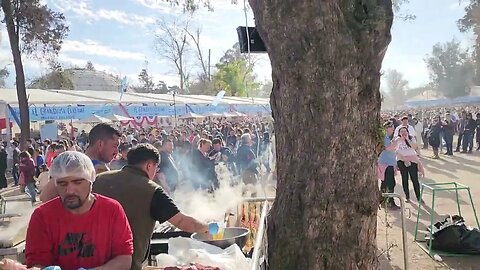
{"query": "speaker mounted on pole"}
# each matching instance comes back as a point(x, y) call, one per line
point(256, 42)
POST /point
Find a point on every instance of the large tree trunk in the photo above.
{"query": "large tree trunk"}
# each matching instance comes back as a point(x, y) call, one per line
point(326, 58)
point(13, 36)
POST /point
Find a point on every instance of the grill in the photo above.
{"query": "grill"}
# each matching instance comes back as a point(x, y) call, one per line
point(159, 241)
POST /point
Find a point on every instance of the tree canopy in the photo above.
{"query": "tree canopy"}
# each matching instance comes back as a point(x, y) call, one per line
point(41, 29)
point(396, 87)
point(451, 69)
point(234, 74)
point(56, 78)
point(41, 32)
point(471, 22)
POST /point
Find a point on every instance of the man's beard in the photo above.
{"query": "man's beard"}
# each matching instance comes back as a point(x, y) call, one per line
point(72, 202)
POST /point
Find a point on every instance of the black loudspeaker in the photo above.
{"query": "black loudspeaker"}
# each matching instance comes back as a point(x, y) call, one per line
point(256, 42)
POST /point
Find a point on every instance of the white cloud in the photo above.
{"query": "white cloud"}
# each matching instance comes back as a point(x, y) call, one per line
point(458, 5)
point(82, 10)
point(3, 34)
point(163, 6)
point(413, 68)
point(160, 6)
point(91, 47)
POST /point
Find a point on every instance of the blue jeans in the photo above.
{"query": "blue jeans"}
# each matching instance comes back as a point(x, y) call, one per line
point(467, 141)
point(31, 191)
point(15, 174)
point(449, 142)
point(441, 141)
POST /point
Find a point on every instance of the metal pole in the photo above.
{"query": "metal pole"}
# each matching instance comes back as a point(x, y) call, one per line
point(209, 58)
point(8, 130)
point(404, 232)
point(175, 107)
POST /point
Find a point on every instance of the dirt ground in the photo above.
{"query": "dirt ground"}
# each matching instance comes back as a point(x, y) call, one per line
point(461, 168)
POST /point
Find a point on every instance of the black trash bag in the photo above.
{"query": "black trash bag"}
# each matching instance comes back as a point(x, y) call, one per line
point(456, 238)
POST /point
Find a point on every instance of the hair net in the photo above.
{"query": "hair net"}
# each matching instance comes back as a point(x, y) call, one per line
point(72, 163)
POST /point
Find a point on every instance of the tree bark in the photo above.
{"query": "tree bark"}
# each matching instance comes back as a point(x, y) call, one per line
point(326, 58)
point(13, 37)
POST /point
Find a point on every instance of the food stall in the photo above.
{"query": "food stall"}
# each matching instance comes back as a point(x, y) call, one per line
point(246, 228)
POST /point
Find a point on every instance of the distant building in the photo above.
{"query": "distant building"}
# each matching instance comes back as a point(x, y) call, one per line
point(84, 79)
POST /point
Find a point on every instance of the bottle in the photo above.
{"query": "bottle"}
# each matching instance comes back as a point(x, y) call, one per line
point(215, 231)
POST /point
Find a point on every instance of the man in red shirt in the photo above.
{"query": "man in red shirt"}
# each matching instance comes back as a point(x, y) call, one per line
point(78, 229)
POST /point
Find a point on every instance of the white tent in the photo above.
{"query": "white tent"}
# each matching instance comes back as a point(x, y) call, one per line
point(91, 97)
point(213, 114)
point(94, 119)
point(238, 114)
point(118, 118)
point(191, 115)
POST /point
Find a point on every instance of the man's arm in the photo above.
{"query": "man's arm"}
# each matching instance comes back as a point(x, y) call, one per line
point(162, 209)
point(188, 224)
point(48, 192)
point(121, 262)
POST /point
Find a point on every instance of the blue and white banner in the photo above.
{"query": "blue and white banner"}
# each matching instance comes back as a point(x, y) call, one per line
point(81, 112)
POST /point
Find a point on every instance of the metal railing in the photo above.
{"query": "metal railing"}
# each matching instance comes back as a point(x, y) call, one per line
point(260, 245)
point(404, 232)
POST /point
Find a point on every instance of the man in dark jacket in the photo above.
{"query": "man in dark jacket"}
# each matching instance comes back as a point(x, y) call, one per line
point(3, 167)
point(448, 126)
point(468, 134)
point(246, 160)
point(144, 201)
point(202, 170)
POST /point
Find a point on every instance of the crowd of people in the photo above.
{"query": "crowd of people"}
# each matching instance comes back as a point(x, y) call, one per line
point(104, 191)
point(101, 199)
point(408, 134)
point(189, 154)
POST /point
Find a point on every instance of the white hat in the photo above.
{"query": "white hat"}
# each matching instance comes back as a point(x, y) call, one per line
point(72, 163)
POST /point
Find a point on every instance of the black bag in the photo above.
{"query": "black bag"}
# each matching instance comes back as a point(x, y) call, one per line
point(456, 238)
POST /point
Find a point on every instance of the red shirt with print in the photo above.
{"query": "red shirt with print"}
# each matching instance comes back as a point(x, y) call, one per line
point(55, 236)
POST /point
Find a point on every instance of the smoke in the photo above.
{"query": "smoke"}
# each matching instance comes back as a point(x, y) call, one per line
point(208, 207)
point(226, 199)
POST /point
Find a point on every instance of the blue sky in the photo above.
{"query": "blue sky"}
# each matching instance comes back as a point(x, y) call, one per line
point(118, 36)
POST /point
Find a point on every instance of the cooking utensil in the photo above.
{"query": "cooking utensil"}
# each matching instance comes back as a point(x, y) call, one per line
point(231, 235)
